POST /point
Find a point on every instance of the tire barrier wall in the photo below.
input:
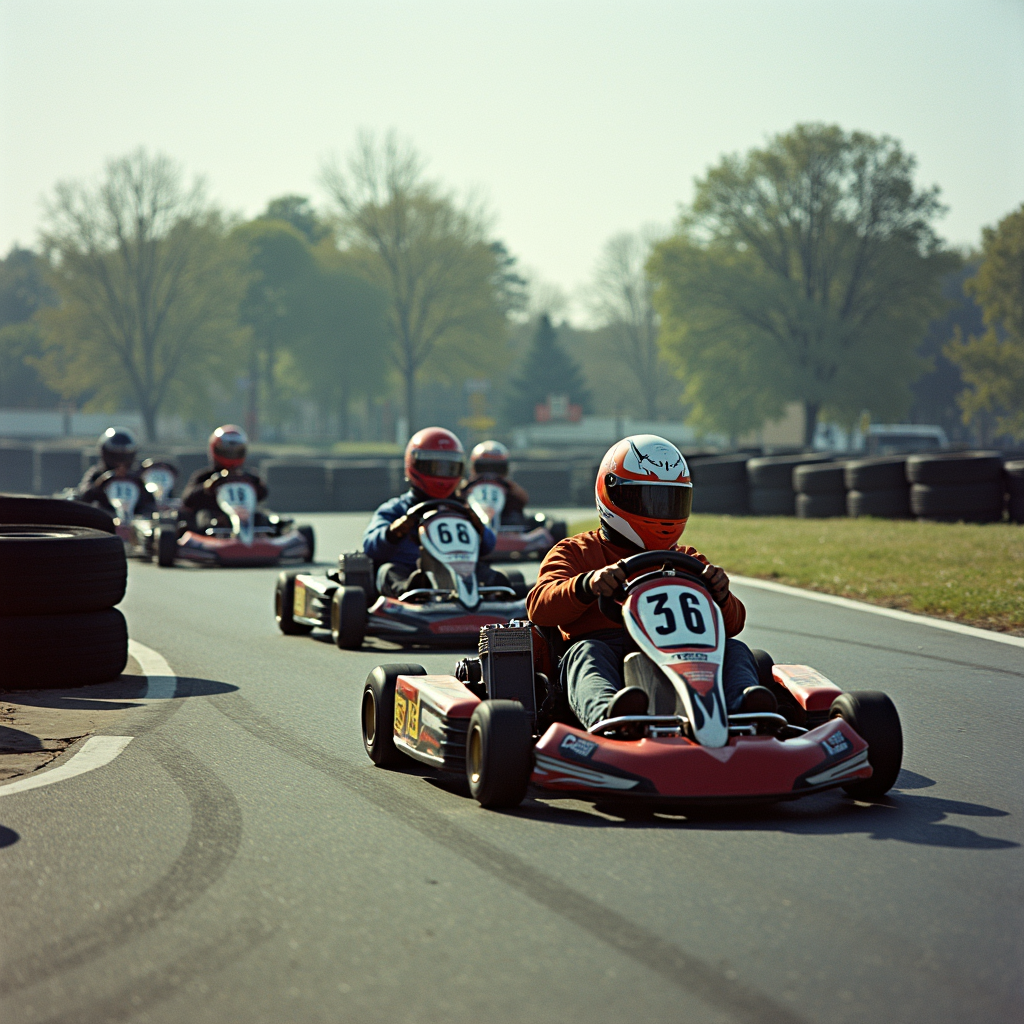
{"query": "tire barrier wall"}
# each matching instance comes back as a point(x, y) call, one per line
point(720, 484)
point(820, 490)
point(59, 583)
point(546, 485)
point(955, 486)
point(770, 479)
point(878, 487)
point(1015, 489)
point(17, 469)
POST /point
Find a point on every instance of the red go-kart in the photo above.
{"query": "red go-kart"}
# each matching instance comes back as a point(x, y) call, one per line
point(517, 535)
point(507, 726)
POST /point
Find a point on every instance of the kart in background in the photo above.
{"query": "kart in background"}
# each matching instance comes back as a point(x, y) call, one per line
point(517, 535)
point(240, 535)
point(448, 612)
point(508, 728)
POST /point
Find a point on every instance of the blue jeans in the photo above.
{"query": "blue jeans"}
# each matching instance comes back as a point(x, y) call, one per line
point(591, 674)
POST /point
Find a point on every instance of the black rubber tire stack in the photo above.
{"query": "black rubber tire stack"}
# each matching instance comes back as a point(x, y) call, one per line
point(820, 490)
point(1015, 489)
point(58, 588)
point(720, 484)
point(878, 487)
point(771, 482)
point(957, 487)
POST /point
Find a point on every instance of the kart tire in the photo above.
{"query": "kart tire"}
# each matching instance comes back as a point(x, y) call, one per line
point(47, 651)
point(377, 708)
point(499, 753)
point(820, 479)
point(873, 716)
point(23, 508)
point(52, 570)
point(348, 617)
point(820, 506)
point(310, 536)
point(1017, 508)
point(165, 540)
point(891, 503)
point(955, 468)
point(1014, 471)
point(284, 605)
point(881, 474)
point(977, 503)
point(559, 530)
point(721, 499)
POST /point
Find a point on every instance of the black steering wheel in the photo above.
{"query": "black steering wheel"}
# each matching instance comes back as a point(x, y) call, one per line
point(433, 504)
point(610, 605)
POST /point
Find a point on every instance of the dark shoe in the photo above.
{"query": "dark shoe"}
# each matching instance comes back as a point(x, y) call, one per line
point(758, 700)
point(630, 701)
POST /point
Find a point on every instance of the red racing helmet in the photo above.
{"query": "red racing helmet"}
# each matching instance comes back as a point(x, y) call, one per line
point(489, 457)
point(227, 446)
point(644, 491)
point(433, 461)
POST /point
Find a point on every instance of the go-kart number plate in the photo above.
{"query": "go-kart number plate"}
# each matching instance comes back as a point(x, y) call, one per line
point(299, 600)
point(675, 616)
point(452, 535)
point(489, 498)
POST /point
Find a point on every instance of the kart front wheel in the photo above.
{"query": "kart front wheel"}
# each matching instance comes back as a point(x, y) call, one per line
point(284, 606)
point(377, 712)
point(306, 532)
point(348, 617)
point(166, 543)
point(499, 753)
point(873, 716)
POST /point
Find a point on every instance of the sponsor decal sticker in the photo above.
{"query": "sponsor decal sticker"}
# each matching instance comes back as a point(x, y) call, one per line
point(577, 746)
point(837, 743)
point(299, 599)
point(401, 705)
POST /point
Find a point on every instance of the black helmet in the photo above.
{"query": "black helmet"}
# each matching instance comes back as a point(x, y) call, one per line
point(118, 447)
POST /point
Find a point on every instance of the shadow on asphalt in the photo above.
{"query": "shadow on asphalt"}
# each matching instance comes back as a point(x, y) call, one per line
point(8, 837)
point(900, 815)
point(119, 694)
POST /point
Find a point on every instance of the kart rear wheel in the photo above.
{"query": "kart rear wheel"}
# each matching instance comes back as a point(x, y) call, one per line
point(310, 537)
point(284, 605)
point(499, 753)
point(165, 541)
point(377, 712)
point(873, 716)
point(348, 617)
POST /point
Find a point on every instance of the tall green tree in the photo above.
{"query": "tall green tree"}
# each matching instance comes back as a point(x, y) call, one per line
point(992, 364)
point(446, 281)
point(297, 211)
point(148, 287)
point(807, 270)
point(23, 291)
point(547, 369)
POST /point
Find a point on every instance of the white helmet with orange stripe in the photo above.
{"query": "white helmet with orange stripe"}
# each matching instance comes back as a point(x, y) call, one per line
point(644, 491)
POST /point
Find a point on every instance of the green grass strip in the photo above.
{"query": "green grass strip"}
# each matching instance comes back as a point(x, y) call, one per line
point(959, 571)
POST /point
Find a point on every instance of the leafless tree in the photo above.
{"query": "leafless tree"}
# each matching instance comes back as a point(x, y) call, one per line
point(430, 253)
point(148, 293)
point(622, 298)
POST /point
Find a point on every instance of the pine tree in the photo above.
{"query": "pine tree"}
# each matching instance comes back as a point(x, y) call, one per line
point(547, 369)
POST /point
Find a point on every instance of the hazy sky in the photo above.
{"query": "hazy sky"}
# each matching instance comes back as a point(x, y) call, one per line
point(573, 120)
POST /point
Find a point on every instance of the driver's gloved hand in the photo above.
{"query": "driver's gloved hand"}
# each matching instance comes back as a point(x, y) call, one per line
point(212, 481)
point(400, 529)
point(477, 523)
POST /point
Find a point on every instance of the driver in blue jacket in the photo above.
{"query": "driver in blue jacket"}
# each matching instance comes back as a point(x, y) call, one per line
point(434, 459)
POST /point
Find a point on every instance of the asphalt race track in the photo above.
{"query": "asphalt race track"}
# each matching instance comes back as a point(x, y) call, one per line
point(242, 860)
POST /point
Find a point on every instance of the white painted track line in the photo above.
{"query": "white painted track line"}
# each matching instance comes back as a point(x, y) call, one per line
point(98, 751)
point(890, 613)
point(94, 753)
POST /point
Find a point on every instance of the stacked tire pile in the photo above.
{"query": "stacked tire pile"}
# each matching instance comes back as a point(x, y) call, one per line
point(62, 571)
point(957, 487)
point(820, 490)
point(878, 487)
point(771, 482)
point(1015, 489)
point(720, 484)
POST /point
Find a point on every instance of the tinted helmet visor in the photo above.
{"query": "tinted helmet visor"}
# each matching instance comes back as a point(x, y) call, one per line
point(433, 465)
point(652, 501)
point(229, 447)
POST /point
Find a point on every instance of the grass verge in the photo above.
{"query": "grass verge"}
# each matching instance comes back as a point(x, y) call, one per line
point(967, 573)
